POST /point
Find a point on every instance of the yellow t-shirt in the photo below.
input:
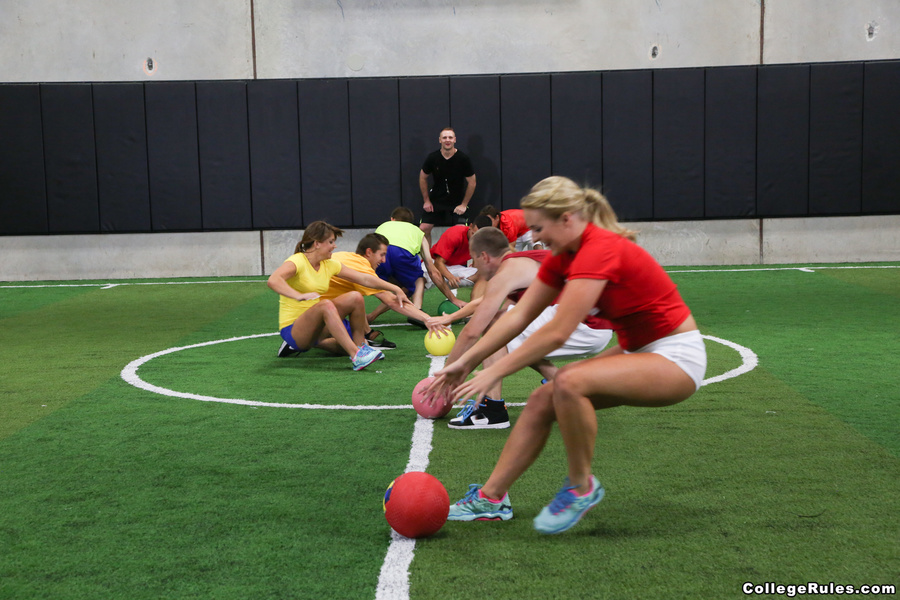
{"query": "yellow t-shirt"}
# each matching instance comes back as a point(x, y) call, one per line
point(305, 280)
point(339, 285)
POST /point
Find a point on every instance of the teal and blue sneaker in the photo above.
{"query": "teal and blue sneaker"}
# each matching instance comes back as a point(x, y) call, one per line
point(365, 356)
point(475, 507)
point(568, 508)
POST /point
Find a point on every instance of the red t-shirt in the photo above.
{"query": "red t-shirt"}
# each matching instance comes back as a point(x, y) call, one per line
point(453, 245)
point(640, 299)
point(592, 321)
point(512, 224)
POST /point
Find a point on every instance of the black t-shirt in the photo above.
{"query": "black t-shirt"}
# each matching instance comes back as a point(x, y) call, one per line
point(449, 176)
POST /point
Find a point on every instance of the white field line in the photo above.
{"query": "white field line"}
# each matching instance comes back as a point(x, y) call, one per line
point(393, 580)
point(109, 285)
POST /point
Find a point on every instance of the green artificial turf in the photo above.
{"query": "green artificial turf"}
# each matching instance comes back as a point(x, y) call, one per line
point(787, 474)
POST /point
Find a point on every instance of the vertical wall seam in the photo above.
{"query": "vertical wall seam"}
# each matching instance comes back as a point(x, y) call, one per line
point(299, 151)
point(199, 151)
point(147, 148)
point(253, 37)
point(96, 163)
point(762, 31)
point(44, 155)
point(262, 253)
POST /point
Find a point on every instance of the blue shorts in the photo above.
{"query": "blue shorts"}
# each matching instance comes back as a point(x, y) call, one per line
point(287, 337)
point(402, 266)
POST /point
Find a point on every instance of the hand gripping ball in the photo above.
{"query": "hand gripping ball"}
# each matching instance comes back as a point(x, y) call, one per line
point(416, 504)
point(429, 411)
point(439, 346)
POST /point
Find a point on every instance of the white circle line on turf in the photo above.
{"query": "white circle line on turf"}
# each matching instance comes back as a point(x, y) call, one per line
point(129, 374)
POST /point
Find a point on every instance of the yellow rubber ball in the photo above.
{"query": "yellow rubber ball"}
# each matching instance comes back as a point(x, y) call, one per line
point(439, 346)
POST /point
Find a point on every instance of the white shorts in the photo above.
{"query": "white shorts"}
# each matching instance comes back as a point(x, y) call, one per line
point(583, 340)
point(524, 242)
point(460, 271)
point(685, 350)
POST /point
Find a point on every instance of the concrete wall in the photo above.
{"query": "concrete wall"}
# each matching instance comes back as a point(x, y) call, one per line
point(107, 40)
point(687, 243)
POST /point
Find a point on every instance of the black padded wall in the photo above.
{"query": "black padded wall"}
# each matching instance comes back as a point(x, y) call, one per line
point(70, 158)
point(730, 163)
point(717, 142)
point(475, 115)
point(835, 139)
point(224, 154)
point(881, 152)
point(374, 150)
point(525, 131)
point(782, 141)
point(628, 143)
point(424, 111)
point(325, 151)
point(24, 206)
point(172, 154)
point(121, 138)
point(274, 154)
point(678, 152)
point(577, 127)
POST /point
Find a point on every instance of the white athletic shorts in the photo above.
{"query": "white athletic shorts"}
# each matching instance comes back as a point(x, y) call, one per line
point(460, 271)
point(525, 242)
point(583, 340)
point(685, 350)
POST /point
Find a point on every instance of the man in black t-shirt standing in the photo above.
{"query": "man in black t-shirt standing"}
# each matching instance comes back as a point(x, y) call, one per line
point(453, 183)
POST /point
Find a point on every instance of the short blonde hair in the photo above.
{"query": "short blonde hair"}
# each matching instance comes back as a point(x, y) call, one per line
point(557, 195)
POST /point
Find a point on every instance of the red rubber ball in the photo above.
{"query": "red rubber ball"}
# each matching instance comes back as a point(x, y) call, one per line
point(416, 504)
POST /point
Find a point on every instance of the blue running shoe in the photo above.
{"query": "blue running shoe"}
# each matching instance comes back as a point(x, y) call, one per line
point(365, 356)
point(475, 507)
point(567, 508)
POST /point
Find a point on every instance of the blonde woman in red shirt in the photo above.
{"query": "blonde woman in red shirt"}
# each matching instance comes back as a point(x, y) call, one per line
point(660, 358)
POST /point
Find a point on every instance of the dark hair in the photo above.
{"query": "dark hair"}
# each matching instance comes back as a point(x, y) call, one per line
point(490, 211)
point(401, 213)
point(371, 241)
point(482, 221)
point(490, 240)
point(317, 231)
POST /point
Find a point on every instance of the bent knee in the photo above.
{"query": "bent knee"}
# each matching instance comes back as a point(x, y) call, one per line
point(541, 401)
point(569, 381)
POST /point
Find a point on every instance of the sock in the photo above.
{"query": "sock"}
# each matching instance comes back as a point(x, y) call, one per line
point(590, 489)
point(491, 500)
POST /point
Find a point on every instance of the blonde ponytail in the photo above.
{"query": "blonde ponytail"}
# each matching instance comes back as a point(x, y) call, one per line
point(557, 195)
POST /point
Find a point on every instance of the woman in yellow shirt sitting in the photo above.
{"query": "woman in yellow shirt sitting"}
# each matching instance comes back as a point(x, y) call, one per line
point(336, 325)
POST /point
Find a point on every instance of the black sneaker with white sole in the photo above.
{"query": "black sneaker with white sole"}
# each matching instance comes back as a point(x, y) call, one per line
point(489, 414)
point(286, 351)
point(376, 339)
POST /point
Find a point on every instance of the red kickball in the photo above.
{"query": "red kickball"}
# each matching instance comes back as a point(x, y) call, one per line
point(429, 411)
point(416, 504)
